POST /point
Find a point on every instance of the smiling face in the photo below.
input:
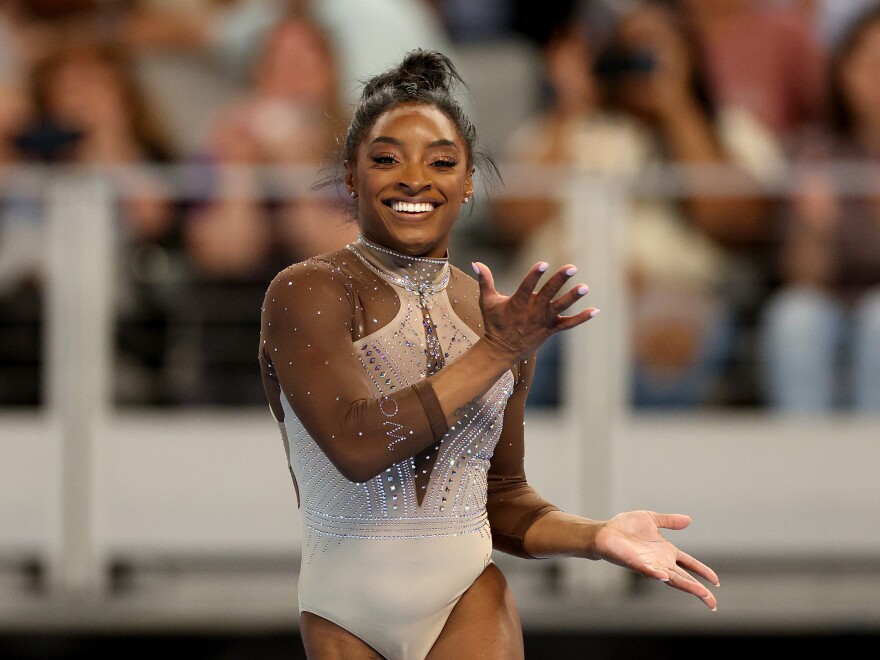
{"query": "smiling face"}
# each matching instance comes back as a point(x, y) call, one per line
point(411, 176)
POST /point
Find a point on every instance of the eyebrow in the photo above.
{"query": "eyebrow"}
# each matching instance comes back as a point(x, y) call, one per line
point(392, 140)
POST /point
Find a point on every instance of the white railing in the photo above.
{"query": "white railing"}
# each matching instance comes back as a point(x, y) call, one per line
point(84, 484)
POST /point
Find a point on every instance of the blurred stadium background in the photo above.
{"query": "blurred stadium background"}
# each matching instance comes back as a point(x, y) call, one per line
point(156, 172)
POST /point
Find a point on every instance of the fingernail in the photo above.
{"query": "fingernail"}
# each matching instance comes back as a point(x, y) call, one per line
point(474, 266)
point(543, 266)
point(571, 271)
point(582, 289)
point(594, 312)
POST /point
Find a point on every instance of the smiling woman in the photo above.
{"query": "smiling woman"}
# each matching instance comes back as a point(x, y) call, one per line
point(411, 174)
point(399, 385)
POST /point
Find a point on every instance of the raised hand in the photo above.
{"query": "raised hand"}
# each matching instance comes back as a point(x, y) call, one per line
point(520, 323)
point(633, 540)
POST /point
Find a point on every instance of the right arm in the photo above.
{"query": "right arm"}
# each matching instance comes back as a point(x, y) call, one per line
point(307, 346)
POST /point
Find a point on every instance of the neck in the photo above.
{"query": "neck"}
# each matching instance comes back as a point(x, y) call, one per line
point(421, 274)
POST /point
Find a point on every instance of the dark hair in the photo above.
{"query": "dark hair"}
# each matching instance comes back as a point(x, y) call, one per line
point(423, 76)
point(838, 107)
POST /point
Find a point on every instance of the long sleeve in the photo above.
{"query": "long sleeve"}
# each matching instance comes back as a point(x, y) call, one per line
point(513, 505)
point(311, 315)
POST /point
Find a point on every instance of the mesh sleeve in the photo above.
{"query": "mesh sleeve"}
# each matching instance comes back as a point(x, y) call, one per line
point(513, 505)
point(307, 356)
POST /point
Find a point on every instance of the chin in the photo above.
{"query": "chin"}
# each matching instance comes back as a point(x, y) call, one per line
point(416, 241)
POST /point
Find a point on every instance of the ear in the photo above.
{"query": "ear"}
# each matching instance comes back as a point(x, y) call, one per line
point(469, 184)
point(350, 181)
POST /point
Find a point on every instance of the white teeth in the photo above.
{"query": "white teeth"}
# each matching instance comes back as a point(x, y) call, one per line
point(406, 207)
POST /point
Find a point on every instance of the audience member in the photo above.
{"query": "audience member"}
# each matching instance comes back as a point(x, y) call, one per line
point(762, 58)
point(91, 111)
point(573, 130)
point(264, 151)
point(286, 120)
point(821, 336)
point(828, 19)
point(367, 33)
point(22, 244)
point(681, 255)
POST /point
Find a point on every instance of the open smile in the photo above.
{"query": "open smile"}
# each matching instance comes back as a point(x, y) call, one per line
point(411, 208)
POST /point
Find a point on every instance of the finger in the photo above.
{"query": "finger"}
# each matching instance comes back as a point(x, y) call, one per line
point(555, 283)
point(684, 582)
point(569, 298)
point(530, 281)
point(568, 322)
point(694, 565)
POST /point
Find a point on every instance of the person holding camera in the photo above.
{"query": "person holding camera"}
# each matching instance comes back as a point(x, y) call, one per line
point(637, 109)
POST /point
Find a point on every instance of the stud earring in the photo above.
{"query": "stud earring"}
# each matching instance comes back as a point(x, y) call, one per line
point(353, 194)
point(465, 200)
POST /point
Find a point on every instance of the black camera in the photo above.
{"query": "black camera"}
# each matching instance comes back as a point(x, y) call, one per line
point(616, 63)
point(48, 141)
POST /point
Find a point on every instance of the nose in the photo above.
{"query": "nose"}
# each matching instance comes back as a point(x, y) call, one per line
point(414, 179)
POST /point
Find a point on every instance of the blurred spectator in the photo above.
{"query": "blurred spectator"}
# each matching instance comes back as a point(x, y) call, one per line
point(696, 262)
point(680, 255)
point(474, 22)
point(22, 243)
point(92, 112)
point(265, 150)
point(764, 59)
point(368, 33)
point(829, 19)
point(573, 130)
point(821, 343)
point(288, 120)
point(198, 54)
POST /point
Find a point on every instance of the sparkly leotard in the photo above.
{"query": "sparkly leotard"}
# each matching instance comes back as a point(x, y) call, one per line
point(399, 511)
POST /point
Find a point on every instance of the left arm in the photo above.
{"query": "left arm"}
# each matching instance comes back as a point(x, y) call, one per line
point(526, 525)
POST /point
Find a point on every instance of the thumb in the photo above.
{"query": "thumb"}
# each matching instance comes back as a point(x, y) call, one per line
point(484, 277)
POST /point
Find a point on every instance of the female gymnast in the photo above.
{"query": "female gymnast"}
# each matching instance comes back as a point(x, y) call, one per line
point(399, 384)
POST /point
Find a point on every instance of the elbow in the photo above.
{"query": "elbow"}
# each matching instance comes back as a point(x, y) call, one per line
point(358, 474)
point(355, 468)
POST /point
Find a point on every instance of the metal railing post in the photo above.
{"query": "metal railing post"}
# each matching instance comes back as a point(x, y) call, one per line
point(594, 383)
point(79, 344)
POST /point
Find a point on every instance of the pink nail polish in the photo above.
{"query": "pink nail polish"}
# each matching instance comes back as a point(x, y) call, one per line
point(543, 266)
point(582, 290)
point(571, 271)
point(594, 312)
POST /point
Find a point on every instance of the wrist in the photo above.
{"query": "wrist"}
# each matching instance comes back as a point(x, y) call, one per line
point(561, 534)
point(499, 350)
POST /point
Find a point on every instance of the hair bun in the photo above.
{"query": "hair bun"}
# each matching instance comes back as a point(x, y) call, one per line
point(420, 70)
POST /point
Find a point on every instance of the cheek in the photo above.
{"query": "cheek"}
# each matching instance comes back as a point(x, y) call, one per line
point(861, 85)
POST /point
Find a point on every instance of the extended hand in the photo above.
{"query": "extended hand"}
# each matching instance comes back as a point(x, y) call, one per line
point(520, 323)
point(633, 540)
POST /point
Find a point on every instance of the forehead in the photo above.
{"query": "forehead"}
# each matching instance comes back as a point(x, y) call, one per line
point(414, 122)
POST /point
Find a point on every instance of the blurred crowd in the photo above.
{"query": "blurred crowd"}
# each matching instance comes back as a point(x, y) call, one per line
point(766, 297)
